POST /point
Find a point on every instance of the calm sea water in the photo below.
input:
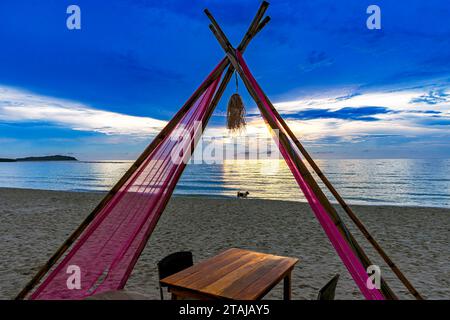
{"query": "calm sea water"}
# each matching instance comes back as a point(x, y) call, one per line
point(415, 182)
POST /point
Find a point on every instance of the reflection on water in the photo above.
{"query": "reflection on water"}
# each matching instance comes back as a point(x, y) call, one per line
point(62, 175)
point(268, 179)
point(400, 182)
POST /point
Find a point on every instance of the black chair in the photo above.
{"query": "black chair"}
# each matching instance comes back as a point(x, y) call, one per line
point(173, 263)
point(328, 290)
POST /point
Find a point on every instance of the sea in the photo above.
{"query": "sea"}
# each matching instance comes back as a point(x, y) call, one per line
point(402, 182)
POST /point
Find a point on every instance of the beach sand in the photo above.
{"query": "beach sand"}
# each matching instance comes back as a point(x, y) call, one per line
point(34, 223)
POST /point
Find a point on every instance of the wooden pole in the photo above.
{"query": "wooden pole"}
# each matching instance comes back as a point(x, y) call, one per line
point(222, 39)
point(255, 27)
point(262, 24)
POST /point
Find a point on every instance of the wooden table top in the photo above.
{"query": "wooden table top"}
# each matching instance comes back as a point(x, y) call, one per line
point(233, 274)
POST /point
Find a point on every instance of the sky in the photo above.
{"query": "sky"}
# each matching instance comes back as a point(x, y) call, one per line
point(104, 91)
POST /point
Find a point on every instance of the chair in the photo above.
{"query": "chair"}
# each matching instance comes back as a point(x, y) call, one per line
point(328, 290)
point(173, 263)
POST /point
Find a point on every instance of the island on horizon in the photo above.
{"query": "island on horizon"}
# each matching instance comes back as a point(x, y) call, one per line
point(44, 158)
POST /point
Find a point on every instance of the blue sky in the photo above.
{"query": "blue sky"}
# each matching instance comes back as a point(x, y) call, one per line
point(102, 92)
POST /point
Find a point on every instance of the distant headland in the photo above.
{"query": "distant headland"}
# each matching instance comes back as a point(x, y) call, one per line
point(45, 158)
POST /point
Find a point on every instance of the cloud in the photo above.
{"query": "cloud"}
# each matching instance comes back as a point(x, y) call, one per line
point(328, 124)
point(437, 121)
point(333, 121)
point(316, 59)
point(348, 113)
point(347, 96)
point(131, 65)
point(432, 97)
point(404, 100)
point(22, 106)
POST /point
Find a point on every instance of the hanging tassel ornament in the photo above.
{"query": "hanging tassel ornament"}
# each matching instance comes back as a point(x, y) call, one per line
point(236, 111)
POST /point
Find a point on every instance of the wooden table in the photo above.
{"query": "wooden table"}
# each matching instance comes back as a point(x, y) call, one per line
point(234, 274)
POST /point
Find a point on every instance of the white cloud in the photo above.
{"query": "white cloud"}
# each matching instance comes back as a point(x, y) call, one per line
point(407, 118)
point(406, 122)
point(22, 106)
point(396, 100)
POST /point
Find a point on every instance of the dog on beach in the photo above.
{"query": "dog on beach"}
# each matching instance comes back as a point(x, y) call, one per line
point(242, 194)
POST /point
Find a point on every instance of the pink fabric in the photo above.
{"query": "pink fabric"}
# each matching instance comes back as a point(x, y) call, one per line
point(343, 249)
point(108, 249)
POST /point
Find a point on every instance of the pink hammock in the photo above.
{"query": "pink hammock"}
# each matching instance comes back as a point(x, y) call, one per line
point(108, 249)
point(341, 246)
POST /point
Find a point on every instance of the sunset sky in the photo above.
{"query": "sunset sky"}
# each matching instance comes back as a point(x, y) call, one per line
point(104, 91)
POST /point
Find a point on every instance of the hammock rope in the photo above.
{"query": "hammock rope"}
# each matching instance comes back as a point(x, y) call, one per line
point(109, 247)
point(342, 247)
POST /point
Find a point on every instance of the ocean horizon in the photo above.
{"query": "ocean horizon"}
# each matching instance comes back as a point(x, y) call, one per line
point(400, 182)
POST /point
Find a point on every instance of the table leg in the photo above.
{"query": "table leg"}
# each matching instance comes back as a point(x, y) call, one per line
point(287, 287)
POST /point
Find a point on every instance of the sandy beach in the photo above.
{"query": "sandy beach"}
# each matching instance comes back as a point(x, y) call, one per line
point(34, 223)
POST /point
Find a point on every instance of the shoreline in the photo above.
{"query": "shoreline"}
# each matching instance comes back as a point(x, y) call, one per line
point(36, 222)
point(225, 197)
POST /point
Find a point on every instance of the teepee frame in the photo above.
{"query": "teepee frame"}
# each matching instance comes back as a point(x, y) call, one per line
point(231, 62)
